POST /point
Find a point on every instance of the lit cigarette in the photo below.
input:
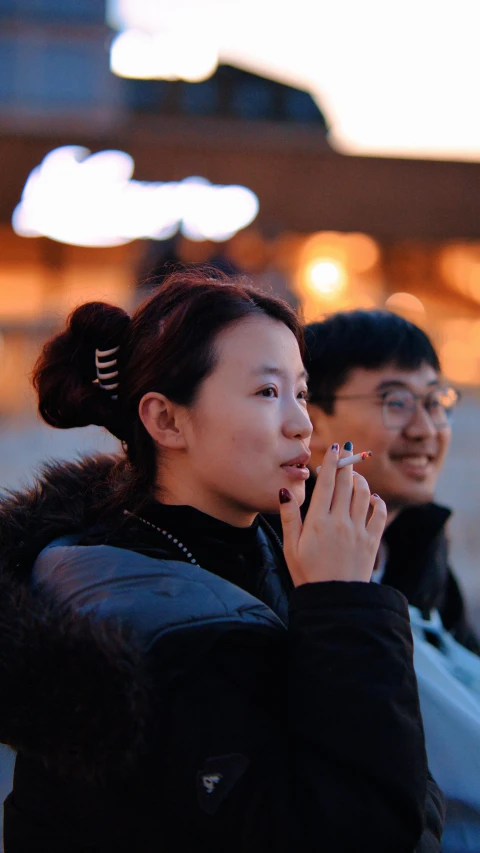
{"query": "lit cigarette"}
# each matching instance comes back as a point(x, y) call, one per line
point(352, 460)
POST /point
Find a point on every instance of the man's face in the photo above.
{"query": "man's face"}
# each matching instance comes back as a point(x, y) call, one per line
point(406, 460)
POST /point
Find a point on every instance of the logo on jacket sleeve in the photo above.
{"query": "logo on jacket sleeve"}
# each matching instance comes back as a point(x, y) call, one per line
point(217, 779)
point(209, 780)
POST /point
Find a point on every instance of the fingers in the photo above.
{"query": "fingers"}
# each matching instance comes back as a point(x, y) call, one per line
point(321, 500)
point(291, 524)
point(342, 495)
point(360, 500)
point(378, 519)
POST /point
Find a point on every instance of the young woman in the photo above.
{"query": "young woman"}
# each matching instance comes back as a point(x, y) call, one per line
point(170, 679)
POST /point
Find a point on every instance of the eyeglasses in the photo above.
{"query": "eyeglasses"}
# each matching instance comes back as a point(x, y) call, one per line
point(399, 405)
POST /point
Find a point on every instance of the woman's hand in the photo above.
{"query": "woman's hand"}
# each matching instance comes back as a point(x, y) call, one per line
point(341, 534)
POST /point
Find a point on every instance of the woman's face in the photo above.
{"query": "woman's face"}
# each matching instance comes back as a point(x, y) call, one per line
point(248, 421)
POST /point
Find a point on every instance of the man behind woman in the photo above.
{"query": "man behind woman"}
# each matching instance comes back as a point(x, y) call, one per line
point(376, 378)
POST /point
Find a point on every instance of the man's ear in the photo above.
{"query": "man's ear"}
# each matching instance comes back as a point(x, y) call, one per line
point(163, 420)
point(321, 437)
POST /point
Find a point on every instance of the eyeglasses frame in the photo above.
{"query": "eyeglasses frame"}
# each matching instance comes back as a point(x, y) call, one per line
point(416, 397)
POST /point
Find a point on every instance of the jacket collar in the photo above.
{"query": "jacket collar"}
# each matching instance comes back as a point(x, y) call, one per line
point(417, 555)
point(420, 524)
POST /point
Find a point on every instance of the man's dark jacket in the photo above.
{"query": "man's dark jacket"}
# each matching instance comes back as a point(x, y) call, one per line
point(417, 565)
point(155, 706)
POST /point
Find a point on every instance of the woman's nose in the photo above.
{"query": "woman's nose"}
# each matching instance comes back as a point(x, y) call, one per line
point(298, 424)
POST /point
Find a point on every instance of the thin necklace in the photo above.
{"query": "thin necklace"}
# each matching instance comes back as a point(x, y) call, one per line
point(167, 535)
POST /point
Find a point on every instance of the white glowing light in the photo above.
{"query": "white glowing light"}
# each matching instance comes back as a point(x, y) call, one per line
point(162, 56)
point(393, 79)
point(325, 276)
point(91, 200)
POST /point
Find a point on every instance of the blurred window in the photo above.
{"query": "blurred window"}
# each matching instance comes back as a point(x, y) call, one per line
point(82, 11)
point(229, 92)
point(7, 70)
point(300, 106)
point(70, 72)
point(145, 95)
point(199, 98)
point(41, 72)
point(253, 98)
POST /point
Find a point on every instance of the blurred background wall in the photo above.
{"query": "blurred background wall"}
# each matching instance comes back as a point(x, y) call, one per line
point(325, 229)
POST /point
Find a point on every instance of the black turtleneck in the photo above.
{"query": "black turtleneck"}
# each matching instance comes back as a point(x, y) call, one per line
point(233, 553)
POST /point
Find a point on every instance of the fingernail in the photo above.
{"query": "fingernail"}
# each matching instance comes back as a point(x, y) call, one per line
point(375, 495)
point(284, 496)
point(348, 445)
point(335, 448)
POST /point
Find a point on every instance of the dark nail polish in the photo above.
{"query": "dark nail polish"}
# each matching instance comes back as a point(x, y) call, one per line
point(284, 496)
point(335, 448)
point(348, 445)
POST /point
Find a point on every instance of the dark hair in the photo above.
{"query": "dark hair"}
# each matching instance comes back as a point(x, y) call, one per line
point(368, 339)
point(168, 346)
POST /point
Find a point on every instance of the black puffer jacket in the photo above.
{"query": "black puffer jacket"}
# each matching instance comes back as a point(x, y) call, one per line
point(156, 706)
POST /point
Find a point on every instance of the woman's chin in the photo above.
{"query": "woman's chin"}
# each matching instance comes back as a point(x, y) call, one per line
point(298, 491)
point(272, 504)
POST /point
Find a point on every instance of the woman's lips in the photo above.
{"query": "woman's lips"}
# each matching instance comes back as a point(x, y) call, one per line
point(297, 472)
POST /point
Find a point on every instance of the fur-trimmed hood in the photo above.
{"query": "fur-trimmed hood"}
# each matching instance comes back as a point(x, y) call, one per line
point(54, 665)
point(63, 499)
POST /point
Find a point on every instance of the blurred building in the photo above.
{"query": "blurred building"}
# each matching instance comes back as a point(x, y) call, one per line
point(332, 231)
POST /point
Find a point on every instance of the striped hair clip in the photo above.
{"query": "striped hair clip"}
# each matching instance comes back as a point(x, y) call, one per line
point(104, 364)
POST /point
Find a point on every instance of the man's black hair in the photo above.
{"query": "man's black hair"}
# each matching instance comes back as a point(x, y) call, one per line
point(367, 339)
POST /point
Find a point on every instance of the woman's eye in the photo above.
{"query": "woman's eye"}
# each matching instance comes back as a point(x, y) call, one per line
point(303, 395)
point(268, 392)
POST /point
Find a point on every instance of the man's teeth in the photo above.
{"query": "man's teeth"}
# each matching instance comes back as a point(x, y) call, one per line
point(416, 461)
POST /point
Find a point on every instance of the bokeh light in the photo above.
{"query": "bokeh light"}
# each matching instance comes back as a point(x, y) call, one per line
point(363, 252)
point(163, 56)
point(404, 303)
point(91, 200)
point(334, 271)
point(326, 277)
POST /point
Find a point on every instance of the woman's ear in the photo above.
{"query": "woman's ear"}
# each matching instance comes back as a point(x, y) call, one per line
point(162, 420)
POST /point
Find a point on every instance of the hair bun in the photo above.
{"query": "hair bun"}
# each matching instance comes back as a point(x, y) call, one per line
point(65, 373)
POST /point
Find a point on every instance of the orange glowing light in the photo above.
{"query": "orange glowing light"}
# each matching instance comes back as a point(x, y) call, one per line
point(404, 302)
point(322, 270)
point(460, 361)
point(22, 292)
point(363, 252)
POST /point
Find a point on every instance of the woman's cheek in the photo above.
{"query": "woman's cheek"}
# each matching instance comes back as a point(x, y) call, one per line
point(253, 443)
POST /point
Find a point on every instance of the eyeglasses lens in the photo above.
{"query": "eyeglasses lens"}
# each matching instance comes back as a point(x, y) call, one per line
point(399, 407)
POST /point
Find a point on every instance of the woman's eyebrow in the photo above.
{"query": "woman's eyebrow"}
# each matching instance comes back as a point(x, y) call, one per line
point(277, 371)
